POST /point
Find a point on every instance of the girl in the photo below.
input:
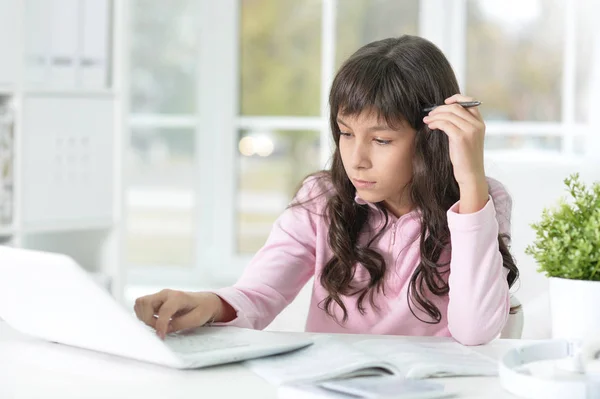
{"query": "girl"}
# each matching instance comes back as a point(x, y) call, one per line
point(404, 234)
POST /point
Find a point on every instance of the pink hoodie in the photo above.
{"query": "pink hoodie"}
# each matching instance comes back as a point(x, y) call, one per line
point(474, 311)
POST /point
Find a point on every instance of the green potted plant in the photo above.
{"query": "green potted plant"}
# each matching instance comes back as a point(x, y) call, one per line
point(567, 250)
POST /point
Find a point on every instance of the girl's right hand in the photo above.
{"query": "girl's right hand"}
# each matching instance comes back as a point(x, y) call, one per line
point(168, 311)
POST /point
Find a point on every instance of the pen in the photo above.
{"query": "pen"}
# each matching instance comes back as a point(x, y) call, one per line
point(466, 104)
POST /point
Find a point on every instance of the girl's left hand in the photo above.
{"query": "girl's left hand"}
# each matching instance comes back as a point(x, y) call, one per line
point(466, 131)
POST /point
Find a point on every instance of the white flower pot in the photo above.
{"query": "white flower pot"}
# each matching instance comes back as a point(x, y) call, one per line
point(574, 308)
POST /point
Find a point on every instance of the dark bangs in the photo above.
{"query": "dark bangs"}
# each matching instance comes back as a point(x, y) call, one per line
point(374, 84)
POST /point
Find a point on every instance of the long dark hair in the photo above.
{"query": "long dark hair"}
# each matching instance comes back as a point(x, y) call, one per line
point(396, 78)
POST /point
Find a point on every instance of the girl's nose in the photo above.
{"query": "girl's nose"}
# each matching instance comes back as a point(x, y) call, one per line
point(360, 157)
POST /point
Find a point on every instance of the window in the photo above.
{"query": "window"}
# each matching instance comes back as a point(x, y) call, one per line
point(283, 70)
point(359, 22)
point(160, 218)
point(161, 171)
point(586, 31)
point(528, 62)
point(280, 57)
point(514, 59)
point(270, 168)
point(164, 53)
point(229, 104)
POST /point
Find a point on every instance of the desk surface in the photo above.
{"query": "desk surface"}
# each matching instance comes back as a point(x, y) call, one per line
point(31, 368)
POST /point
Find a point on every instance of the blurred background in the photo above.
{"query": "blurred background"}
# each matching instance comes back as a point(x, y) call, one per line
point(156, 142)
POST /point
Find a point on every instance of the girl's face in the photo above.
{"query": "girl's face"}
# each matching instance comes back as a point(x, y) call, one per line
point(377, 159)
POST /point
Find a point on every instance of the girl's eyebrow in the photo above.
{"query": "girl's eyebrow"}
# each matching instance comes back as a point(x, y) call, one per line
point(371, 129)
point(341, 122)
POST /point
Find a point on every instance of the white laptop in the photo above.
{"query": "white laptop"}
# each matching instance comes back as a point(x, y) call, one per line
point(49, 296)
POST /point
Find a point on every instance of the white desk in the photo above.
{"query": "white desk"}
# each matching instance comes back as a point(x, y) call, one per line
point(35, 369)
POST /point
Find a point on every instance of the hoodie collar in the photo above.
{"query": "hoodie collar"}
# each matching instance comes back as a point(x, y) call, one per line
point(371, 205)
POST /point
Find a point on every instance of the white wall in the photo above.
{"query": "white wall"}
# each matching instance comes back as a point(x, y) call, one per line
point(534, 184)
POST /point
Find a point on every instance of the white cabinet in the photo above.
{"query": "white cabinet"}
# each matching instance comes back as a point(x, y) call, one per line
point(67, 43)
point(9, 28)
point(59, 119)
point(67, 161)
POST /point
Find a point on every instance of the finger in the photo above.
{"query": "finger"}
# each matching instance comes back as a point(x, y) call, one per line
point(150, 304)
point(459, 111)
point(144, 311)
point(451, 130)
point(470, 126)
point(166, 311)
point(136, 309)
point(457, 98)
point(460, 98)
point(196, 318)
point(470, 116)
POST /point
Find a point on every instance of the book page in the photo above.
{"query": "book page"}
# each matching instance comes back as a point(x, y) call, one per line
point(423, 360)
point(387, 387)
point(326, 358)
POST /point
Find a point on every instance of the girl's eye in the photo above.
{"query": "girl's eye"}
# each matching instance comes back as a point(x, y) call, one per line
point(382, 142)
point(345, 134)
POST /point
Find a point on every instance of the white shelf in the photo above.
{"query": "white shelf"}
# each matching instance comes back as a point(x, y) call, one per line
point(83, 225)
point(6, 231)
point(41, 92)
point(6, 91)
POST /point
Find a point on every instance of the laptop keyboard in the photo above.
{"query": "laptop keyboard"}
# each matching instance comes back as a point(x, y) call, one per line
point(201, 343)
point(196, 343)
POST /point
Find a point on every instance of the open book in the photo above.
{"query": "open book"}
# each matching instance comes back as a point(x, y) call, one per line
point(329, 358)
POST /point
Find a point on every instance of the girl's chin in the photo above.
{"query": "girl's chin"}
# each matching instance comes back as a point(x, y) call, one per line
point(369, 196)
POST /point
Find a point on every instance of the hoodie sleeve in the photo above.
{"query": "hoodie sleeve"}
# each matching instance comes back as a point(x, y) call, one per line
point(282, 266)
point(479, 299)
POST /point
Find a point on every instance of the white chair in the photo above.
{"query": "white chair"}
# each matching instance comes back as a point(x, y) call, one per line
point(513, 328)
